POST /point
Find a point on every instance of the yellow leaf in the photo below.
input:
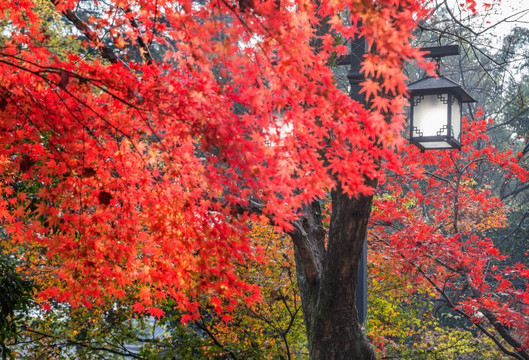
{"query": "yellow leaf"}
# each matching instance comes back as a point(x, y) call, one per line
point(120, 42)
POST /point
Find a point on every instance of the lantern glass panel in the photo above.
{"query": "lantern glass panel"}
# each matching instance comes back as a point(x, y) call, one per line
point(456, 118)
point(430, 115)
point(435, 145)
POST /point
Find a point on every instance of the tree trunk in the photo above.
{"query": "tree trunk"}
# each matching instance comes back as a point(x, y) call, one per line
point(327, 277)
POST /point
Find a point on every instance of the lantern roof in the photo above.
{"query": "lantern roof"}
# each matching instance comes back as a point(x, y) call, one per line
point(430, 84)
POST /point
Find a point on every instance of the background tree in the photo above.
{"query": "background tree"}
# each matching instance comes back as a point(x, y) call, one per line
point(16, 297)
point(271, 329)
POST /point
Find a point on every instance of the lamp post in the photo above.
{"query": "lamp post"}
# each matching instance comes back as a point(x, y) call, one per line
point(355, 77)
point(435, 122)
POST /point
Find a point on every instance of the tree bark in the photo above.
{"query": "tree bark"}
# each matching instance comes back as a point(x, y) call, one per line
point(328, 275)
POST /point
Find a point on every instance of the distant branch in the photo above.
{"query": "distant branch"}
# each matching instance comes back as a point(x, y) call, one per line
point(435, 176)
point(85, 345)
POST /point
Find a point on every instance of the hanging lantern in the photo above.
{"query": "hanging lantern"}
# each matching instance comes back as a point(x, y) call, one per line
point(436, 112)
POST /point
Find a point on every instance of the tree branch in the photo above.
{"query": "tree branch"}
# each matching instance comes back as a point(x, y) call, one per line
point(504, 333)
point(203, 327)
point(144, 48)
point(106, 52)
point(454, 307)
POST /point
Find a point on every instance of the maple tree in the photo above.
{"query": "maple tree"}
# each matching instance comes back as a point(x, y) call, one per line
point(144, 174)
point(436, 229)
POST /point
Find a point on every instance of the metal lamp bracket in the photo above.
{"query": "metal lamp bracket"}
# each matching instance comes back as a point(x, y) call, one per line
point(438, 52)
